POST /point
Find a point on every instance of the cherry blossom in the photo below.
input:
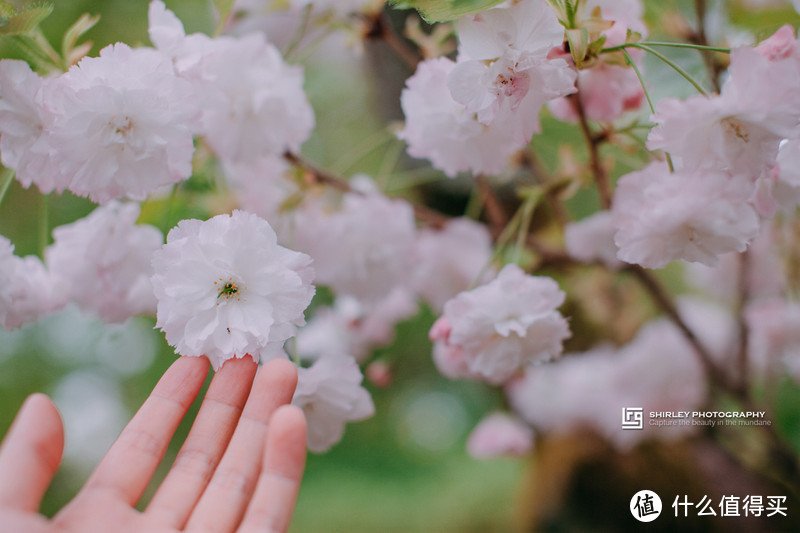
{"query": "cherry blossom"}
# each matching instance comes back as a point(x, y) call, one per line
point(123, 124)
point(362, 248)
point(503, 326)
point(253, 102)
point(28, 290)
point(24, 121)
point(503, 72)
point(330, 394)
point(353, 327)
point(450, 260)
point(592, 239)
point(103, 262)
point(226, 289)
point(499, 434)
point(695, 216)
point(440, 129)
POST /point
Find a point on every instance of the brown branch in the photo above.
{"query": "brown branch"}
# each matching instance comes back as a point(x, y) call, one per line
point(664, 301)
point(699, 37)
point(495, 213)
point(593, 144)
point(318, 175)
point(381, 29)
point(744, 332)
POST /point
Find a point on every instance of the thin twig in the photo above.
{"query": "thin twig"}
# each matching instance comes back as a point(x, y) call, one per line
point(593, 144)
point(319, 175)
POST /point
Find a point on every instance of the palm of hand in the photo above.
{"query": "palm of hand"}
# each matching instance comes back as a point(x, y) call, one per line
point(239, 469)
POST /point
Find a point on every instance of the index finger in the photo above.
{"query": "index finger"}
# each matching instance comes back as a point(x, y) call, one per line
point(129, 465)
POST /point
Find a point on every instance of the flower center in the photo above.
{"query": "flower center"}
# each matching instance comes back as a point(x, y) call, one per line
point(737, 129)
point(120, 130)
point(228, 290)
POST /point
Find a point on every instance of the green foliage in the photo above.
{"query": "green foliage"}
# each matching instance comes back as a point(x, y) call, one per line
point(444, 10)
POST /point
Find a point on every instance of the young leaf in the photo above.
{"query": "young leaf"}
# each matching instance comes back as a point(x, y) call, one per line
point(578, 45)
point(25, 20)
point(70, 50)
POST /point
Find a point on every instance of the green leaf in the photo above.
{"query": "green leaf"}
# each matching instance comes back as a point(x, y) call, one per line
point(444, 10)
point(25, 20)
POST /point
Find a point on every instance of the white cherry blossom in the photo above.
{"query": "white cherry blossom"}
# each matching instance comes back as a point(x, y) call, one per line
point(123, 124)
point(103, 262)
point(226, 289)
point(330, 394)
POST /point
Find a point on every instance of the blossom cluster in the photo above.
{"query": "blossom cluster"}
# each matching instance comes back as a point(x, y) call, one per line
point(122, 124)
point(732, 154)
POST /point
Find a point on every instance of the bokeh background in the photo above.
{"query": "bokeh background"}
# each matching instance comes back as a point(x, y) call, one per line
point(406, 469)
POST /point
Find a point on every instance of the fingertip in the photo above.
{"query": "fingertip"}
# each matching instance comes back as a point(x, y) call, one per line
point(31, 453)
point(41, 412)
point(290, 418)
point(244, 362)
point(282, 370)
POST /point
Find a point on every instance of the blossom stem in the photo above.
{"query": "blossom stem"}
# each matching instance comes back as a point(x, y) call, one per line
point(301, 31)
point(168, 212)
point(632, 63)
point(666, 60)
point(44, 227)
point(7, 176)
point(525, 223)
point(667, 44)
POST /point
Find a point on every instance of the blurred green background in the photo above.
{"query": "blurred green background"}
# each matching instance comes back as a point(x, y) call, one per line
point(403, 470)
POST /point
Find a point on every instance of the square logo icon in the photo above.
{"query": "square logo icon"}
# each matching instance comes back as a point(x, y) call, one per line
point(632, 418)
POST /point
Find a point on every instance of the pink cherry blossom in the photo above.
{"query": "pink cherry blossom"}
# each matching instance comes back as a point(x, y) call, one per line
point(27, 290)
point(504, 72)
point(123, 124)
point(504, 326)
point(362, 248)
point(440, 129)
point(592, 239)
point(695, 216)
point(253, 102)
point(24, 121)
point(330, 394)
point(103, 262)
point(500, 434)
point(450, 260)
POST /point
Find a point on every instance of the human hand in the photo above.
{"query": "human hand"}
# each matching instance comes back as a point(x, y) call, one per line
point(239, 469)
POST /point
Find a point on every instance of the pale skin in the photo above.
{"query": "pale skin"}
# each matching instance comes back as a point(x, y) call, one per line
point(239, 469)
